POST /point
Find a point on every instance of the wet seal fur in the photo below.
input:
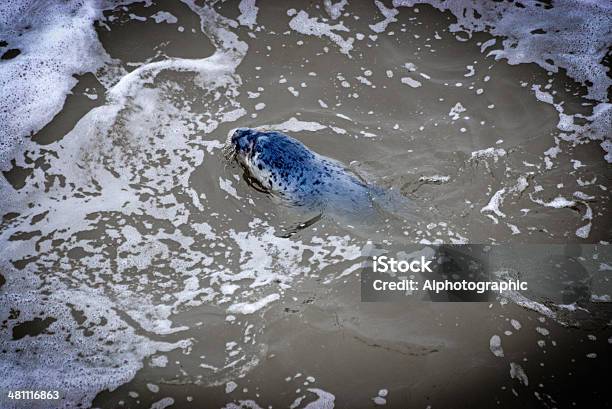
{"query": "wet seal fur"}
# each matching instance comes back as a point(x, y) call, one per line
point(286, 168)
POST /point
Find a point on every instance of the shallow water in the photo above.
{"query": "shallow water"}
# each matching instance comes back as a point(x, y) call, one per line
point(161, 275)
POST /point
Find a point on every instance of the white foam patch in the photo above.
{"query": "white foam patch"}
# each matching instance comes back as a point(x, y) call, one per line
point(494, 153)
point(164, 17)
point(334, 10)
point(123, 168)
point(82, 366)
point(572, 35)
point(456, 110)
point(381, 398)
point(517, 372)
point(226, 185)
point(495, 346)
point(159, 361)
point(570, 28)
point(250, 308)
point(230, 386)
point(494, 203)
point(584, 231)
point(243, 404)
point(558, 202)
point(513, 228)
point(435, 179)
point(410, 82)
point(295, 125)
point(596, 126)
point(248, 13)
point(522, 301)
point(303, 23)
point(325, 400)
point(56, 41)
point(388, 12)
point(162, 403)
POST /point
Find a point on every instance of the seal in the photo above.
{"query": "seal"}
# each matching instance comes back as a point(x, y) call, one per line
point(286, 168)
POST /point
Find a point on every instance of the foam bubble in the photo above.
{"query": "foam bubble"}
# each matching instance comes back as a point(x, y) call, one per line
point(495, 346)
point(325, 400)
point(410, 82)
point(517, 372)
point(164, 17)
point(334, 9)
point(248, 13)
point(250, 308)
point(163, 403)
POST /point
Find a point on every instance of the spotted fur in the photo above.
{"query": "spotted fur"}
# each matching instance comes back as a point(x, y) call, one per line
point(286, 168)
